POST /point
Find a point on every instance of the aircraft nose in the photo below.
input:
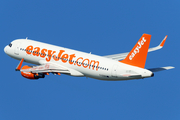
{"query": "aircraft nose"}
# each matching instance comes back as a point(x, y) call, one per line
point(5, 49)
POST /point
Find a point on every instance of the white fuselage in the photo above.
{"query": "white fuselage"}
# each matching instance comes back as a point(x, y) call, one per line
point(86, 64)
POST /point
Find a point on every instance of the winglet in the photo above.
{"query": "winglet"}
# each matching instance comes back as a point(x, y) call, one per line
point(164, 40)
point(137, 56)
point(19, 65)
point(159, 46)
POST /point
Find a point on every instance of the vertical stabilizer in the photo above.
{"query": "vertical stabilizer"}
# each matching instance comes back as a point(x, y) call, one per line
point(137, 56)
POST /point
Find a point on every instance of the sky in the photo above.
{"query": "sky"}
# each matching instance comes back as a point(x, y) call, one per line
point(102, 27)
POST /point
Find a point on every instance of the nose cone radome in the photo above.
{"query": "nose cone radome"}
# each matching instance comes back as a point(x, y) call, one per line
point(5, 49)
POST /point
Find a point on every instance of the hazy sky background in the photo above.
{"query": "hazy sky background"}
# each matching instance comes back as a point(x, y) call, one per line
point(102, 27)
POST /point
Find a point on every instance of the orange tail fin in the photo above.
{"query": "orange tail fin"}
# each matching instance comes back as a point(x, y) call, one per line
point(137, 56)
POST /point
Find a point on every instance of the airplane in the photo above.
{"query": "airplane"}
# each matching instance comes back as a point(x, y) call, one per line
point(59, 60)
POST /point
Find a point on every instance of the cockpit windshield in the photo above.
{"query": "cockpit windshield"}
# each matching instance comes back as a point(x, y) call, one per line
point(10, 45)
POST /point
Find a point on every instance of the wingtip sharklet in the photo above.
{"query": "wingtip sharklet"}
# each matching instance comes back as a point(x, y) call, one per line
point(163, 41)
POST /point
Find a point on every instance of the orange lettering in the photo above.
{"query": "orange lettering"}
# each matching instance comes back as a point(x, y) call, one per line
point(36, 53)
point(71, 57)
point(29, 49)
point(93, 61)
point(50, 55)
point(77, 61)
point(85, 66)
point(64, 57)
point(59, 55)
point(43, 54)
point(80, 61)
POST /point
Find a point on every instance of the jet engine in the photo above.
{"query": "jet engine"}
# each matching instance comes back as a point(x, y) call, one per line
point(30, 75)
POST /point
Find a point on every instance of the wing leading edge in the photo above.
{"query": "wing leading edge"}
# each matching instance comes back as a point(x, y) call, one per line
point(47, 68)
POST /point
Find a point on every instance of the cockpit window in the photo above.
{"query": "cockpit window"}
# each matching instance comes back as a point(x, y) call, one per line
point(10, 45)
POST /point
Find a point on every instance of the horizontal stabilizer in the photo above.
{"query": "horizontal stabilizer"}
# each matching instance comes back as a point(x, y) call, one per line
point(160, 69)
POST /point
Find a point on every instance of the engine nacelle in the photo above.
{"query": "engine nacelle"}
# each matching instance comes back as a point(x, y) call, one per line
point(30, 75)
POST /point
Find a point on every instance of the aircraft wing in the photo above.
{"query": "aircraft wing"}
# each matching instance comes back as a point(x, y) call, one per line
point(46, 68)
point(122, 56)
